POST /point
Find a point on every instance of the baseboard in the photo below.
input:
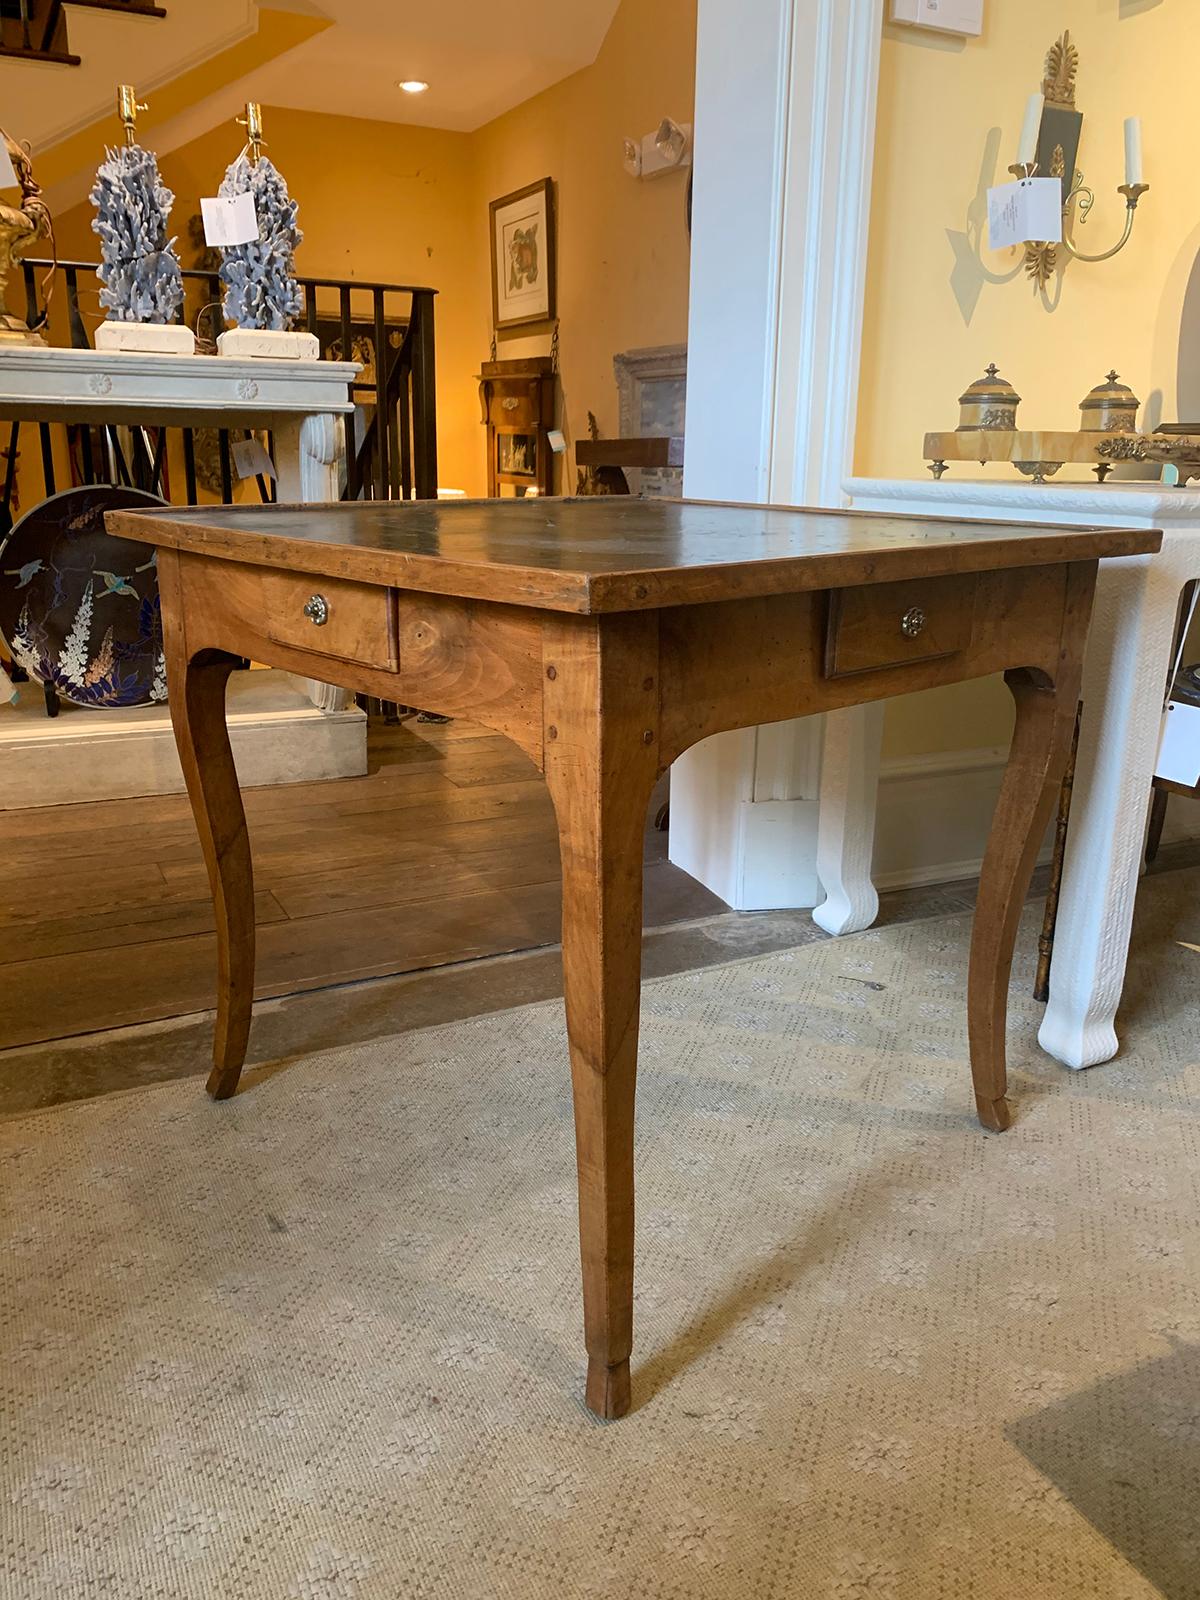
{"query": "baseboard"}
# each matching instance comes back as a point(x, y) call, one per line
point(277, 734)
point(935, 811)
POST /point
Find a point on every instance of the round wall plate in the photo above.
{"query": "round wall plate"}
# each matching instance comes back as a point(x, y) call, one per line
point(78, 608)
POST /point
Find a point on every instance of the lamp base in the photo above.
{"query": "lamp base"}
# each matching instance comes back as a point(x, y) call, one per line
point(276, 344)
point(145, 338)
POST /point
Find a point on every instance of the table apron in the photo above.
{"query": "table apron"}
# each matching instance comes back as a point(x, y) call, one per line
point(738, 663)
point(466, 658)
point(722, 665)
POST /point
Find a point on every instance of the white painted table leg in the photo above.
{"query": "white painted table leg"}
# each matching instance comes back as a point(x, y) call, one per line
point(1128, 659)
point(846, 825)
point(308, 462)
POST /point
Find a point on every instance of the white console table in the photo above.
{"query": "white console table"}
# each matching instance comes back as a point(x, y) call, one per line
point(1125, 678)
point(301, 403)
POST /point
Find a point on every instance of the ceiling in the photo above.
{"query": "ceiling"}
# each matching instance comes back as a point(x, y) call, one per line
point(478, 57)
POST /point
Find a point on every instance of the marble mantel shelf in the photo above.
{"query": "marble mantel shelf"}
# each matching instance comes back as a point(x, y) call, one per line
point(45, 384)
point(1117, 501)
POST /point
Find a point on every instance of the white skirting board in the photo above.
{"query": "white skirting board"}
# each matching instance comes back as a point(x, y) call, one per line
point(278, 736)
point(931, 826)
point(935, 811)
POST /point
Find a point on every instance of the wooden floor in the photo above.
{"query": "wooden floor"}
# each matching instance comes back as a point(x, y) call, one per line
point(447, 851)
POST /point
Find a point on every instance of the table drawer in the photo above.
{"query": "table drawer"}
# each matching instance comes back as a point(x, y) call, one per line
point(328, 616)
point(888, 624)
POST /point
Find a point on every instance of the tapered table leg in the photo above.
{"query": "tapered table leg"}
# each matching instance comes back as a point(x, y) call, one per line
point(196, 694)
point(1036, 761)
point(601, 734)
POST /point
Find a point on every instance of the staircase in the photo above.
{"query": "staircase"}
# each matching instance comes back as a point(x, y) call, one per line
point(36, 30)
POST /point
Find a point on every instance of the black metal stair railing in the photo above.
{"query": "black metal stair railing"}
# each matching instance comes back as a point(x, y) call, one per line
point(391, 436)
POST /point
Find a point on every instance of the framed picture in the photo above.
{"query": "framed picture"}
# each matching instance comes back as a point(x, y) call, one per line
point(523, 256)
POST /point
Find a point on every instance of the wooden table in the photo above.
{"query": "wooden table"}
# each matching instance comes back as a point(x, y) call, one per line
point(605, 636)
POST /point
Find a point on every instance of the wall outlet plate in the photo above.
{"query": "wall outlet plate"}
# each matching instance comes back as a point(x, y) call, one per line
point(945, 16)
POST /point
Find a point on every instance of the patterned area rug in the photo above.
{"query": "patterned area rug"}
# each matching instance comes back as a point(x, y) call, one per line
point(323, 1342)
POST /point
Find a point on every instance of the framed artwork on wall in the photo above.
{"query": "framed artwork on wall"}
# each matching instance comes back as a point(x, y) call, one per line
point(523, 255)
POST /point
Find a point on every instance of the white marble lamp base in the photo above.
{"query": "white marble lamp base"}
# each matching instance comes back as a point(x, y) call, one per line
point(277, 344)
point(145, 338)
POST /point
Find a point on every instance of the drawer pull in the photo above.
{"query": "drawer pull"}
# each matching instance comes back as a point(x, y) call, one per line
point(912, 622)
point(317, 610)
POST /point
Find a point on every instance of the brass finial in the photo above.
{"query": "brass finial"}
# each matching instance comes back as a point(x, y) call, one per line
point(1062, 64)
point(1112, 376)
point(128, 106)
point(252, 122)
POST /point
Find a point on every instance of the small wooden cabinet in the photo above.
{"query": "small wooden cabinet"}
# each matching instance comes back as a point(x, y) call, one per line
point(517, 403)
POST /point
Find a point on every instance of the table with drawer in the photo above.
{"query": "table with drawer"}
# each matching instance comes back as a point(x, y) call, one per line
point(605, 636)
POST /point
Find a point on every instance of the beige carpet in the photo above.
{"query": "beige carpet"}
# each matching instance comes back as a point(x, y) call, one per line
point(322, 1342)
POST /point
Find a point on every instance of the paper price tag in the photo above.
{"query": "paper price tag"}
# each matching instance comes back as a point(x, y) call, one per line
point(8, 178)
point(250, 458)
point(229, 218)
point(1031, 208)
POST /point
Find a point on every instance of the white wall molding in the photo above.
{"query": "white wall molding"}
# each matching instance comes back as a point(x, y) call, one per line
point(785, 130)
point(935, 812)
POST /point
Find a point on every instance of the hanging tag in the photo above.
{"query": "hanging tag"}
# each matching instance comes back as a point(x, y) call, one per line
point(1029, 209)
point(8, 178)
point(229, 218)
point(250, 458)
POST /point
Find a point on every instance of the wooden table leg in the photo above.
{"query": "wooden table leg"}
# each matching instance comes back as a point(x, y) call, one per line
point(601, 762)
point(196, 693)
point(1037, 759)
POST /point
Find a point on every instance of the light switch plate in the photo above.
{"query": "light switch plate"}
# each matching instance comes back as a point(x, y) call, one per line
point(945, 16)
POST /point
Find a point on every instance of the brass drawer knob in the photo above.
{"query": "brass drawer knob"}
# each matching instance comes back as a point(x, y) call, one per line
point(912, 622)
point(317, 610)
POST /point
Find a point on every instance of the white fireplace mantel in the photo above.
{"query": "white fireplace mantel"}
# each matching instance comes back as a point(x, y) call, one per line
point(1127, 667)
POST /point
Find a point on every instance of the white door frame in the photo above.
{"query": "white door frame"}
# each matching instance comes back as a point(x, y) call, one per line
point(786, 93)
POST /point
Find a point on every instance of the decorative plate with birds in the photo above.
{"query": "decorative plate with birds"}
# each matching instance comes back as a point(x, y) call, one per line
point(78, 608)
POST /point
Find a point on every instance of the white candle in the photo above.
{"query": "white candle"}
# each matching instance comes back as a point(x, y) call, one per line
point(1133, 150)
point(1027, 149)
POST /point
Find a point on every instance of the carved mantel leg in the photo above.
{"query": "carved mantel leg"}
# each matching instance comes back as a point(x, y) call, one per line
point(846, 818)
point(1129, 658)
point(601, 762)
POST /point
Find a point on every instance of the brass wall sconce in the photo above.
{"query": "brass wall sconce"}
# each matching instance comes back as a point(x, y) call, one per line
point(1050, 145)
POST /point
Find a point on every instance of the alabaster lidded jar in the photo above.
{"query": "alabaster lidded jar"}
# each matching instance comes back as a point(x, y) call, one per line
point(990, 402)
point(1110, 407)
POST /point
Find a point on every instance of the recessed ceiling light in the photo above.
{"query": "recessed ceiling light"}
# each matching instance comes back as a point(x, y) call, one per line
point(412, 85)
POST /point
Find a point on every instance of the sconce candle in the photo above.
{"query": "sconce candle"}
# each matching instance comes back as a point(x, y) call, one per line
point(1027, 149)
point(1133, 150)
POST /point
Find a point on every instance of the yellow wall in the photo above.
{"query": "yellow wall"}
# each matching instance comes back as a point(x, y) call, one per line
point(379, 202)
point(386, 202)
point(622, 243)
point(949, 118)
